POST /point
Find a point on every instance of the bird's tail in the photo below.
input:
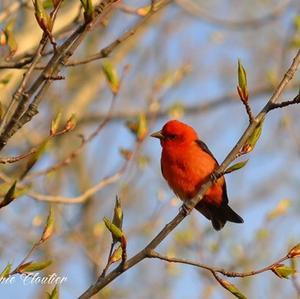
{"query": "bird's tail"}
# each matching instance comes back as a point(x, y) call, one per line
point(219, 215)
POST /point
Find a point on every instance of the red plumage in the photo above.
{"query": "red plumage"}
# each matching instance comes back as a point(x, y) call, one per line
point(186, 163)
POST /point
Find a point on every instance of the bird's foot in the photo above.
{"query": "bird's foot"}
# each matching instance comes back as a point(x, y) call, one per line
point(214, 177)
point(185, 209)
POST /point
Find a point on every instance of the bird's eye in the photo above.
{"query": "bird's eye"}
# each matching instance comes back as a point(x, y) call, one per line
point(171, 136)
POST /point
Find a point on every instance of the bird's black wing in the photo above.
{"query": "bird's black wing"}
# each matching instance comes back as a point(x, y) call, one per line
point(205, 148)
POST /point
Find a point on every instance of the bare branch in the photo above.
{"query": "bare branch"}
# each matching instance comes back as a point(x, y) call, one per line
point(84, 196)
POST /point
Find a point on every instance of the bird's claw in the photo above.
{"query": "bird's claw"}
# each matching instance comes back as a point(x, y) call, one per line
point(185, 209)
point(214, 177)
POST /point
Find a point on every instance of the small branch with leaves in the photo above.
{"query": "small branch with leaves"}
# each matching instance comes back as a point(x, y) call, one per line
point(279, 269)
point(33, 156)
point(118, 236)
point(24, 105)
point(25, 267)
point(242, 89)
point(69, 126)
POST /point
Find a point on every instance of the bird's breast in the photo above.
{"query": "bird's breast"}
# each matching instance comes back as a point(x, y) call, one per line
point(185, 170)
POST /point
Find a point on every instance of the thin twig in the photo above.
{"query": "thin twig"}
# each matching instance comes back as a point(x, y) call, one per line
point(295, 100)
point(203, 106)
point(249, 111)
point(108, 260)
point(16, 270)
point(154, 254)
point(14, 159)
point(105, 52)
point(67, 160)
point(84, 196)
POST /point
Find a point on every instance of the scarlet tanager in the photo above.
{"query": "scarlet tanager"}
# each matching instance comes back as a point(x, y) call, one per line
point(186, 163)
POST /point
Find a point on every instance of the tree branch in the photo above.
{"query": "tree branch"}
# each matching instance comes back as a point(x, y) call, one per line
point(21, 115)
point(103, 281)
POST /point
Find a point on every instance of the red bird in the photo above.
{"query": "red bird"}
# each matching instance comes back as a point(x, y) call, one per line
point(186, 163)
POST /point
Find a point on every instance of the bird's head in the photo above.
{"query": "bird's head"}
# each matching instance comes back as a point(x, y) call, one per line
point(175, 132)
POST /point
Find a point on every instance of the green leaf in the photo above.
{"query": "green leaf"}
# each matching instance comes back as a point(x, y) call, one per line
point(42, 16)
point(6, 271)
point(47, 4)
point(111, 76)
point(236, 166)
point(9, 196)
point(5, 79)
point(54, 294)
point(117, 254)
point(35, 157)
point(139, 127)
point(115, 231)
point(10, 38)
point(88, 9)
point(34, 266)
point(142, 128)
point(242, 83)
point(295, 251)
point(49, 228)
point(55, 124)
point(71, 123)
point(255, 135)
point(252, 140)
point(242, 76)
point(283, 271)
point(232, 289)
point(118, 214)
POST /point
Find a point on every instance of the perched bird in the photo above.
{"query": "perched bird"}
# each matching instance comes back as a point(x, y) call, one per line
point(186, 163)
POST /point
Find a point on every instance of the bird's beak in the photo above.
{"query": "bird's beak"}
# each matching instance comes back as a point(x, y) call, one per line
point(158, 135)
